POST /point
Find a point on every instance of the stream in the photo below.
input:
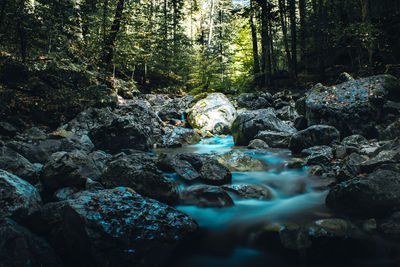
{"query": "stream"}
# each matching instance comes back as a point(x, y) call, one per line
point(227, 233)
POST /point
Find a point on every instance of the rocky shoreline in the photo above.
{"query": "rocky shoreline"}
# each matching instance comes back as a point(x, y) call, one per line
point(92, 193)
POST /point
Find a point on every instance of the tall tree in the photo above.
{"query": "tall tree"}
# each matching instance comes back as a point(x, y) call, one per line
point(292, 15)
point(256, 61)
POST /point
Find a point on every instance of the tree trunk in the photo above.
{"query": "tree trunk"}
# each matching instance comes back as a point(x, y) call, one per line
point(302, 11)
point(266, 55)
point(110, 41)
point(292, 11)
point(256, 60)
point(366, 17)
point(282, 12)
point(211, 25)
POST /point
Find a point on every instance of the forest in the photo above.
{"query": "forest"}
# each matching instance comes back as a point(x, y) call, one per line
point(176, 133)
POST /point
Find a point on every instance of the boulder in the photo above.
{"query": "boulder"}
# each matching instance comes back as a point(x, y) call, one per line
point(376, 195)
point(257, 144)
point(6, 129)
point(237, 161)
point(20, 247)
point(18, 198)
point(353, 106)
point(139, 172)
point(275, 139)
point(355, 140)
point(214, 173)
point(214, 110)
point(249, 191)
point(390, 226)
point(391, 131)
point(287, 113)
point(68, 169)
point(130, 127)
point(249, 123)
point(119, 227)
point(316, 135)
point(205, 196)
point(388, 154)
point(254, 101)
point(181, 136)
point(174, 163)
point(318, 155)
point(14, 163)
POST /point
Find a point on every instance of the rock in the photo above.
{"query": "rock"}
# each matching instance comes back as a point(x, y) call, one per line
point(315, 135)
point(119, 227)
point(318, 155)
point(295, 238)
point(64, 193)
point(257, 144)
point(376, 195)
point(340, 152)
point(350, 167)
point(210, 111)
point(391, 131)
point(140, 173)
point(384, 156)
point(296, 163)
point(18, 198)
point(352, 107)
point(7, 129)
point(205, 196)
point(275, 139)
point(130, 127)
point(300, 106)
point(214, 173)
point(355, 140)
point(300, 123)
point(344, 77)
point(20, 247)
point(182, 136)
point(249, 123)
point(254, 101)
point(287, 113)
point(93, 185)
point(14, 163)
point(237, 161)
point(249, 191)
point(173, 163)
point(390, 226)
point(316, 170)
point(68, 169)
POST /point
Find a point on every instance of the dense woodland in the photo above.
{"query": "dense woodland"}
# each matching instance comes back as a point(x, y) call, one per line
point(205, 45)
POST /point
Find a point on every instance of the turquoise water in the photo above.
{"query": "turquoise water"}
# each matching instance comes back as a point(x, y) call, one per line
point(293, 200)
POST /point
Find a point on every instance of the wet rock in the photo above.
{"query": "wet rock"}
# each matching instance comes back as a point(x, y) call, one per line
point(20, 247)
point(300, 106)
point(205, 196)
point(249, 123)
point(130, 127)
point(316, 170)
point(249, 191)
point(287, 113)
point(182, 136)
point(254, 101)
point(18, 198)
point(352, 106)
point(351, 166)
point(13, 162)
point(293, 237)
point(257, 144)
point(386, 155)
point(173, 163)
point(296, 163)
point(354, 140)
point(315, 135)
point(210, 111)
point(195, 160)
point(300, 123)
point(239, 162)
point(392, 131)
point(340, 152)
point(99, 159)
point(93, 185)
point(119, 227)
point(318, 155)
point(68, 169)
point(214, 173)
point(140, 173)
point(376, 195)
point(275, 139)
point(6, 129)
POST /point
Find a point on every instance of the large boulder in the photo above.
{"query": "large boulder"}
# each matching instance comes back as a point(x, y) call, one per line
point(353, 106)
point(254, 101)
point(275, 139)
point(249, 123)
point(316, 135)
point(205, 196)
point(139, 172)
point(179, 136)
point(119, 227)
point(68, 169)
point(132, 126)
point(20, 247)
point(176, 164)
point(213, 114)
point(376, 195)
point(214, 173)
point(18, 198)
point(237, 161)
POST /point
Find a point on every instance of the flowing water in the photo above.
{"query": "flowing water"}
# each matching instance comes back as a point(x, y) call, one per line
point(296, 198)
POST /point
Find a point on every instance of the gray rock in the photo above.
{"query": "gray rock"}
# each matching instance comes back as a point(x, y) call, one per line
point(205, 196)
point(254, 101)
point(351, 166)
point(249, 191)
point(214, 173)
point(239, 162)
point(318, 155)
point(257, 144)
point(18, 198)
point(249, 123)
point(392, 131)
point(7, 129)
point(173, 163)
point(275, 139)
point(181, 136)
point(315, 135)
point(119, 227)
